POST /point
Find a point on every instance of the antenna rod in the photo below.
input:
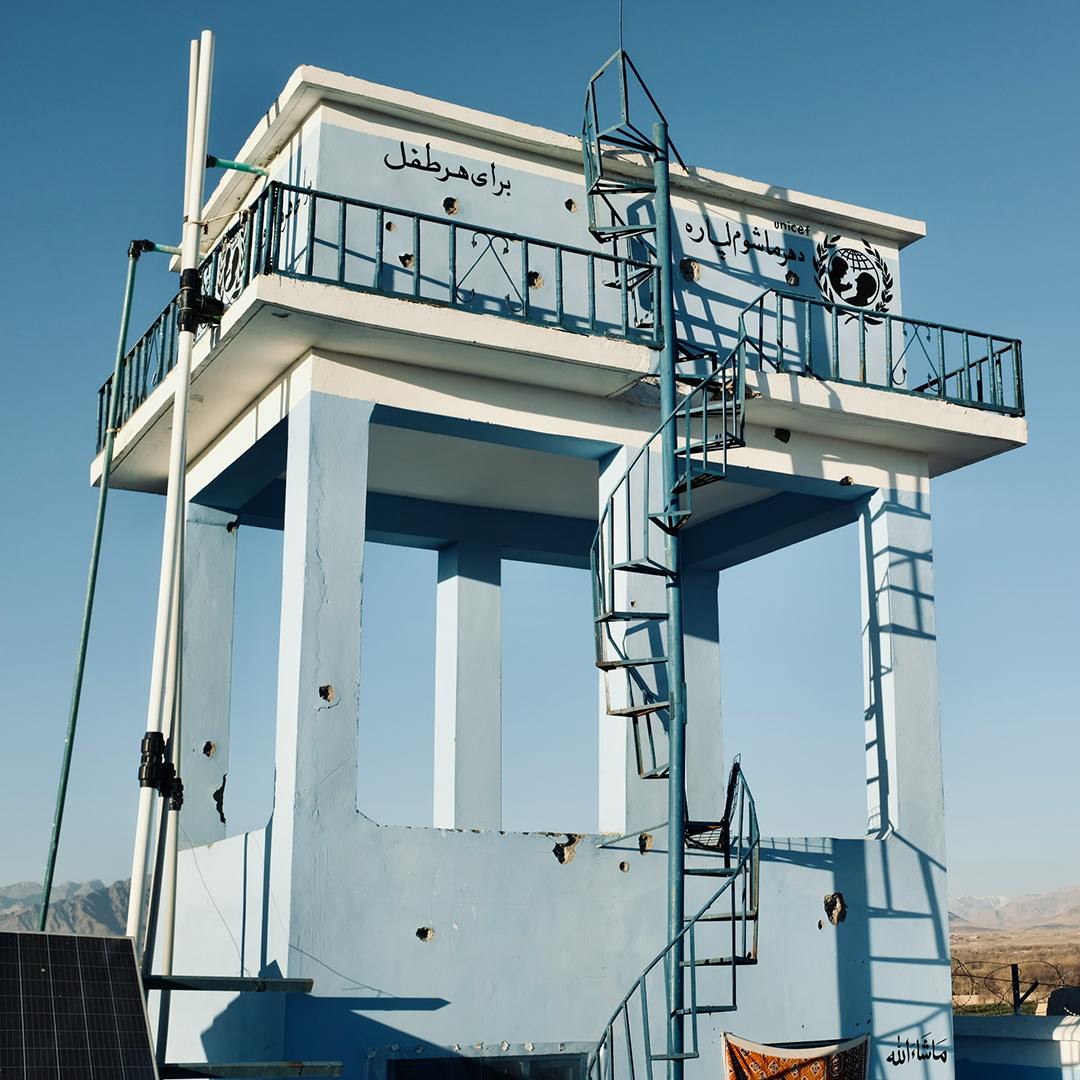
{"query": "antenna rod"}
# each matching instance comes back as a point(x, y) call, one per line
point(165, 654)
point(135, 249)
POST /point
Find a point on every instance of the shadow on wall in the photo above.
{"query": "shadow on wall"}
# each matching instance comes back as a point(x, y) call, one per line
point(892, 956)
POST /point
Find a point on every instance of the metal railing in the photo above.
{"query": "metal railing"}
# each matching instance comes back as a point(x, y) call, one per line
point(708, 422)
point(891, 352)
point(625, 1049)
point(312, 235)
point(369, 247)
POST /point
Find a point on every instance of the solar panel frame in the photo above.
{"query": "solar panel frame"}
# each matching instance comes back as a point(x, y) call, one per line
point(72, 1007)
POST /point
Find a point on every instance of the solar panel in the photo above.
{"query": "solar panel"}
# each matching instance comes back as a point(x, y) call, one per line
point(72, 1007)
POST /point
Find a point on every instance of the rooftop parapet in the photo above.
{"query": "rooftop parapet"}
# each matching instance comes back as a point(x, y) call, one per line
point(289, 231)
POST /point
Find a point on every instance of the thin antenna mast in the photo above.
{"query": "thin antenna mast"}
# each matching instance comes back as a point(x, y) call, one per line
point(166, 651)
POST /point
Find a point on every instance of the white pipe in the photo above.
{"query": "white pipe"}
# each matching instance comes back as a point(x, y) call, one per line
point(192, 105)
point(174, 499)
point(167, 897)
point(158, 873)
point(172, 827)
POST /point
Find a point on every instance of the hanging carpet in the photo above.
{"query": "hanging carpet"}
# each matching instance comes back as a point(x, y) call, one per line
point(746, 1060)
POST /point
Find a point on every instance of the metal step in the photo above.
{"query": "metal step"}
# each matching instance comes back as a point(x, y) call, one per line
point(622, 662)
point(641, 710)
point(644, 566)
point(228, 982)
point(670, 522)
point(254, 1069)
point(660, 773)
point(721, 961)
point(697, 447)
point(612, 186)
point(629, 616)
point(724, 917)
point(706, 1009)
point(701, 871)
point(713, 408)
point(689, 1055)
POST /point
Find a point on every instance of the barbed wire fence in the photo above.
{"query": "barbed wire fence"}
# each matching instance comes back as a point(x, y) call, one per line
point(988, 984)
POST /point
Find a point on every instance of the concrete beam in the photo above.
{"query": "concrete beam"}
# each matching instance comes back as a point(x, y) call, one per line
point(752, 531)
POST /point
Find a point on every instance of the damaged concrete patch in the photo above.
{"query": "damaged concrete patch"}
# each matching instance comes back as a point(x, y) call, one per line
point(564, 849)
point(219, 799)
point(835, 908)
point(645, 842)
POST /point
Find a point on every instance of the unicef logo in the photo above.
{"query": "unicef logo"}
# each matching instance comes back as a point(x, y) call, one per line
point(853, 277)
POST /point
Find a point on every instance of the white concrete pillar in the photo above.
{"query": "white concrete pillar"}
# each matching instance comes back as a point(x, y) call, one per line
point(468, 688)
point(705, 774)
point(626, 801)
point(206, 665)
point(903, 736)
point(319, 651)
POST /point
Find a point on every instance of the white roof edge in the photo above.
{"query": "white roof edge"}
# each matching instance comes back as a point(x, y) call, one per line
point(308, 86)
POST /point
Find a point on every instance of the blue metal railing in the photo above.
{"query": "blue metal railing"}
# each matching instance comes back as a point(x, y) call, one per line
point(369, 247)
point(365, 246)
point(625, 1049)
point(797, 334)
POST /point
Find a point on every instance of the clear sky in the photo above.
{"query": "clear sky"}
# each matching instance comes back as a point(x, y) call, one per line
point(961, 114)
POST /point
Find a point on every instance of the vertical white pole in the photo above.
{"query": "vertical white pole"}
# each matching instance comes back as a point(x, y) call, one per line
point(174, 501)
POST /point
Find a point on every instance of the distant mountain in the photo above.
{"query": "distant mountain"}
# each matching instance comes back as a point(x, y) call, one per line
point(88, 907)
point(1060, 908)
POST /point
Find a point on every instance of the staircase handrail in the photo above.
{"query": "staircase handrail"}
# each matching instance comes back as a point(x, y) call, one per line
point(736, 352)
point(746, 863)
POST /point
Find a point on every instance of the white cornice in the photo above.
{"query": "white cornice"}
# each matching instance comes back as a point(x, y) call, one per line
point(308, 87)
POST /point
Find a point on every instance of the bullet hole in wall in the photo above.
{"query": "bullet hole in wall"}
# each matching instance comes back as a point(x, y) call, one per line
point(536, 279)
point(406, 260)
point(571, 206)
point(327, 692)
point(390, 226)
point(451, 205)
point(645, 842)
point(564, 849)
point(835, 908)
point(690, 269)
point(425, 933)
point(209, 748)
point(624, 867)
point(219, 798)
point(782, 434)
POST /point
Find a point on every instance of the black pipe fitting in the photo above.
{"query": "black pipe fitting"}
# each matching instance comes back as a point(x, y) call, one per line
point(153, 756)
point(190, 300)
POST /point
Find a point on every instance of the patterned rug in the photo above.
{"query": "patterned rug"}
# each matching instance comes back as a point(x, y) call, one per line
point(752, 1061)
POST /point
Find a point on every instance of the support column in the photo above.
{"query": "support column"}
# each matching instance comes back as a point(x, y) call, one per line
point(468, 688)
point(319, 653)
point(206, 663)
point(705, 775)
point(628, 803)
point(903, 736)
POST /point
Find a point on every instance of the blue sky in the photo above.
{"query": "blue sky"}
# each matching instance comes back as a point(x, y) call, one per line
point(963, 115)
